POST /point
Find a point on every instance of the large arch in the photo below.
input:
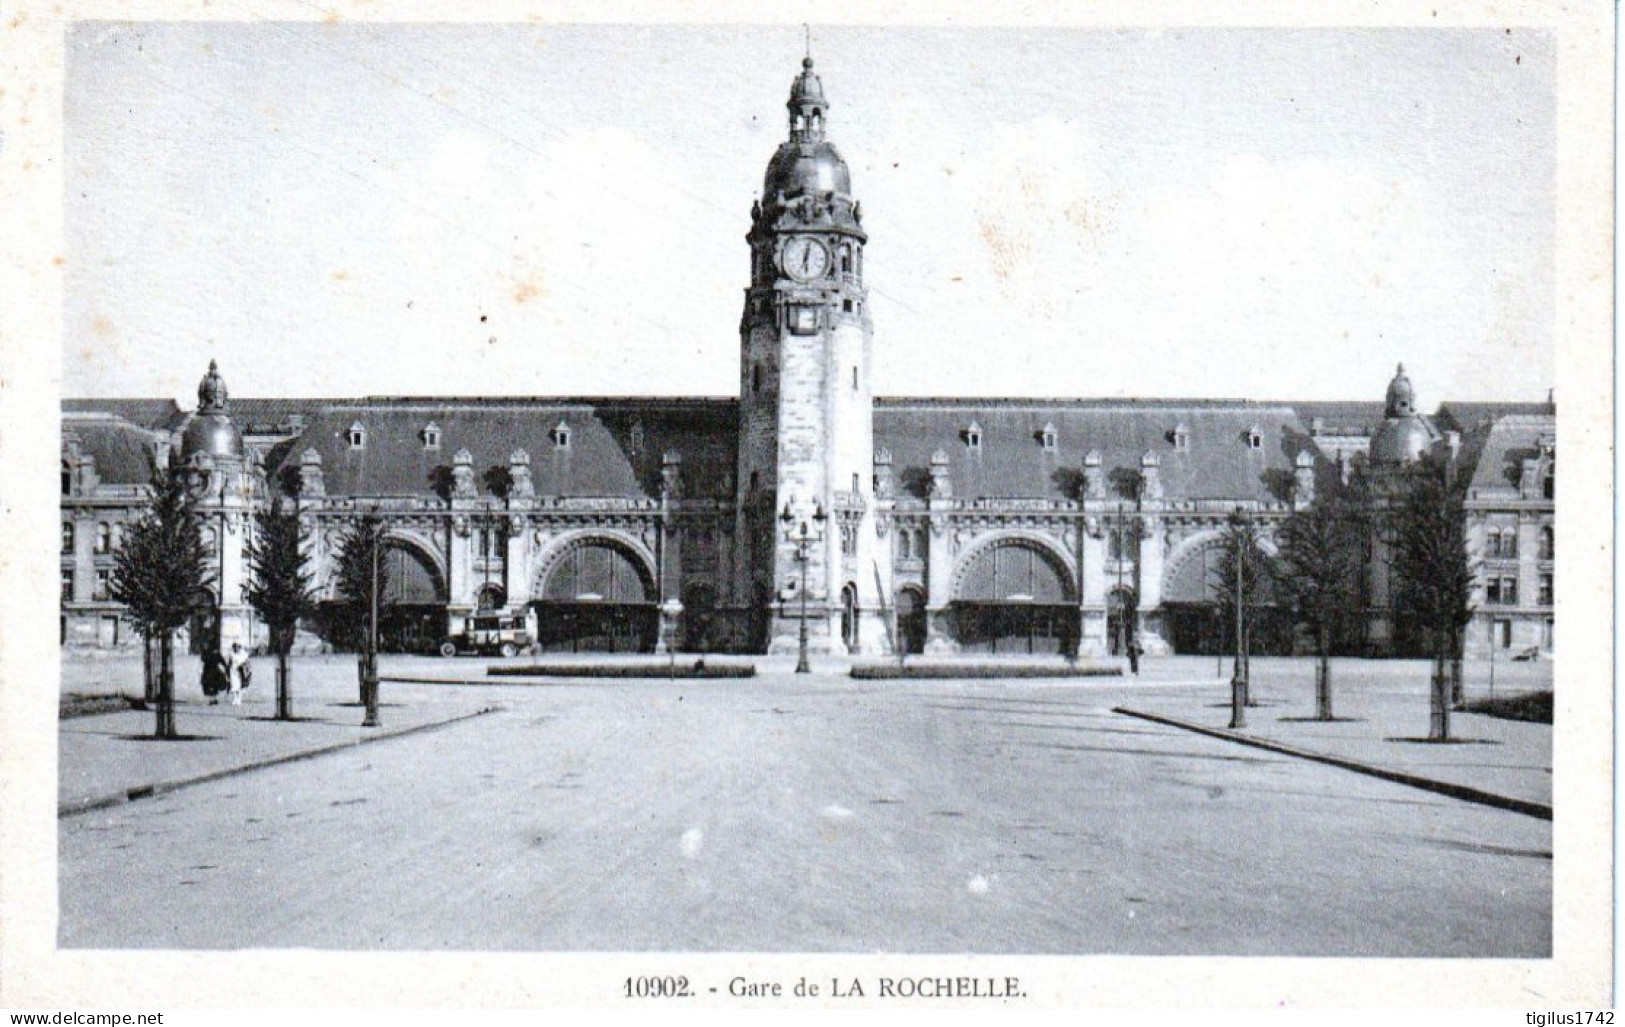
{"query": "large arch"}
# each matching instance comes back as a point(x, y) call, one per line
point(594, 591)
point(1192, 613)
point(415, 595)
point(1014, 593)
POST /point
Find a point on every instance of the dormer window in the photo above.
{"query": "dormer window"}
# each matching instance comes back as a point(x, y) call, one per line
point(431, 436)
point(1048, 438)
point(973, 437)
point(358, 436)
point(1181, 436)
point(561, 435)
point(1255, 439)
point(636, 440)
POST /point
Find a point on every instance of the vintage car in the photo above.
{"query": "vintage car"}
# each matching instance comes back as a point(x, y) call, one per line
point(504, 633)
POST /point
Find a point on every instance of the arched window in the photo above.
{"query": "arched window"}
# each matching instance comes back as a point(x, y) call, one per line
point(358, 436)
point(905, 544)
point(1548, 542)
point(104, 537)
point(846, 260)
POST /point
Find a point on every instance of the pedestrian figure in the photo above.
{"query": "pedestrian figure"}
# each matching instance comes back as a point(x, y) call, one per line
point(1134, 652)
point(214, 675)
point(237, 672)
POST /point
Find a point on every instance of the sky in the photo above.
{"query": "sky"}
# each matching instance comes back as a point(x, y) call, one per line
point(345, 210)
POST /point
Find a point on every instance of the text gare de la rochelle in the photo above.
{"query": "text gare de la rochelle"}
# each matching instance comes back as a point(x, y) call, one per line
point(926, 987)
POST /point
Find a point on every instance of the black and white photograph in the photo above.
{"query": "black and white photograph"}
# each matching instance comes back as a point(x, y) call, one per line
point(815, 512)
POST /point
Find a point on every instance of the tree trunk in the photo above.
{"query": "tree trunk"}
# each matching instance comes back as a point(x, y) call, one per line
point(284, 694)
point(149, 674)
point(1439, 723)
point(1323, 677)
point(164, 724)
point(1458, 688)
point(361, 677)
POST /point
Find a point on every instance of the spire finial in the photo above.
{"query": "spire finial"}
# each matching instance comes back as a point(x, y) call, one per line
point(806, 62)
point(1400, 370)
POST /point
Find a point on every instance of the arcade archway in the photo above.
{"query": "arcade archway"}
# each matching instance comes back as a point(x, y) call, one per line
point(1014, 597)
point(597, 595)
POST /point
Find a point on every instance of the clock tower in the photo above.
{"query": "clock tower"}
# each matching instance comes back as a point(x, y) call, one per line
point(806, 405)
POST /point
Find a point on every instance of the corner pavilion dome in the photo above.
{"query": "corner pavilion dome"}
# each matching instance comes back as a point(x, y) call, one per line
point(1405, 435)
point(209, 432)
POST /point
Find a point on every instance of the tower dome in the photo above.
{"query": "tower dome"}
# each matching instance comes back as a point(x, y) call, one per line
point(209, 432)
point(807, 164)
point(1405, 435)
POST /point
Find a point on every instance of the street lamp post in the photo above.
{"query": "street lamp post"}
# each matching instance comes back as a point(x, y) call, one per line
point(369, 678)
point(1238, 680)
point(802, 536)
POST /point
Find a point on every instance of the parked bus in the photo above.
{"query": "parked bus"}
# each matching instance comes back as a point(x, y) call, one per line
point(503, 633)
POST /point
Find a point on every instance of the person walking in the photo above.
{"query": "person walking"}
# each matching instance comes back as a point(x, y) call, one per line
point(1134, 652)
point(237, 672)
point(214, 674)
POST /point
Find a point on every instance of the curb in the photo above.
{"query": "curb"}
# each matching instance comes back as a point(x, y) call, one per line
point(76, 806)
point(1427, 784)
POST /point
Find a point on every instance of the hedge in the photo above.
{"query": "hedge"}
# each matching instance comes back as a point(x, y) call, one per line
point(943, 671)
point(640, 669)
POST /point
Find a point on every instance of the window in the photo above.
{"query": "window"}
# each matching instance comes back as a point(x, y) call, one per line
point(1255, 439)
point(755, 481)
point(67, 585)
point(905, 548)
point(1501, 543)
point(854, 483)
point(561, 435)
point(358, 436)
point(1502, 591)
point(104, 537)
point(636, 441)
point(1122, 543)
point(99, 594)
point(973, 436)
point(755, 378)
point(1547, 485)
point(67, 480)
point(431, 436)
point(1181, 436)
point(1548, 542)
point(854, 378)
point(67, 536)
point(849, 540)
point(1545, 590)
point(846, 264)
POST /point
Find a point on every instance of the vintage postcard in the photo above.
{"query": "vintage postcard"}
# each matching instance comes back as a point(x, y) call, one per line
point(674, 507)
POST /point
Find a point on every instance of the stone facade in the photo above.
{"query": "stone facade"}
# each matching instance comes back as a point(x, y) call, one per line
point(934, 525)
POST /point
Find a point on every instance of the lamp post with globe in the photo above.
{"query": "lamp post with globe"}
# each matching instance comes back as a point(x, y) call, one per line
point(803, 534)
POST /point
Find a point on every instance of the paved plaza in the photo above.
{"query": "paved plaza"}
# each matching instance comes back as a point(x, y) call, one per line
point(807, 813)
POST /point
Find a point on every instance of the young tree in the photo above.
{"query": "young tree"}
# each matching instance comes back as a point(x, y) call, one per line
point(1321, 559)
point(1241, 543)
point(362, 571)
point(1433, 574)
point(281, 589)
point(158, 574)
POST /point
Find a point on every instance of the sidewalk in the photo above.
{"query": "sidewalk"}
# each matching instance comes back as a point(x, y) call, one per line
point(1382, 711)
point(108, 758)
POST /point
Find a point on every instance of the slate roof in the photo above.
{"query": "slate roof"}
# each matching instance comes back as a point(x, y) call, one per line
point(146, 413)
point(601, 459)
point(1012, 463)
point(1506, 444)
point(123, 452)
point(1466, 416)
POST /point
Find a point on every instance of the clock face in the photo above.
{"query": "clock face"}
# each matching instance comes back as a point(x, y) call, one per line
point(804, 258)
